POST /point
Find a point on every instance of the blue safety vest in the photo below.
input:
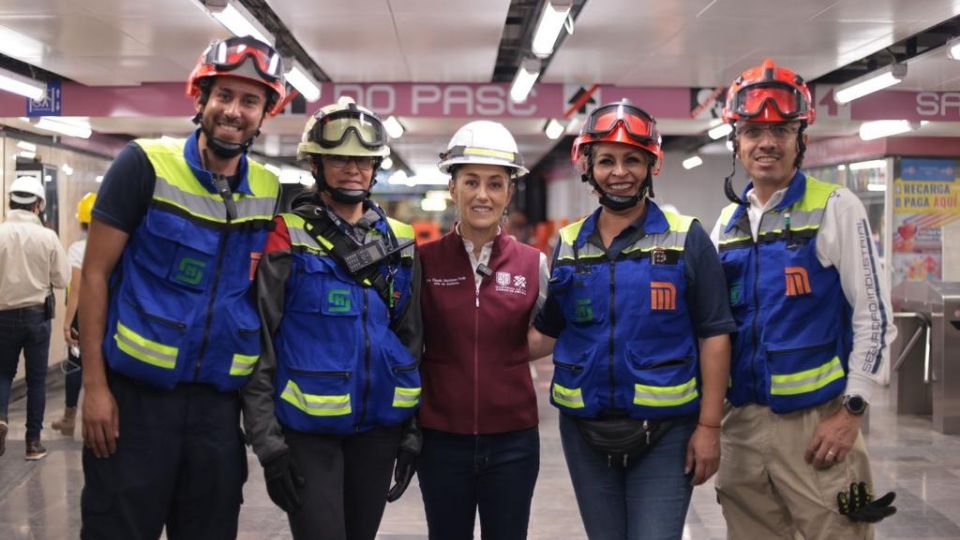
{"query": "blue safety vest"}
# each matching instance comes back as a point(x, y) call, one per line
point(340, 367)
point(628, 344)
point(181, 304)
point(793, 321)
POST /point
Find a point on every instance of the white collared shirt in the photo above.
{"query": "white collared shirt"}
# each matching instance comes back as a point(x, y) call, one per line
point(32, 259)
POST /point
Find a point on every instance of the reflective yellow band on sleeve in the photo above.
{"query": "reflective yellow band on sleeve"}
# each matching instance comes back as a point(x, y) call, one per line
point(572, 398)
point(406, 397)
point(145, 350)
point(665, 396)
point(316, 405)
point(243, 364)
point(808, 380)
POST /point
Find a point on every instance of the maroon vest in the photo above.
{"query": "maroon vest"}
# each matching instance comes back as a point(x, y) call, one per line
point(475, 370)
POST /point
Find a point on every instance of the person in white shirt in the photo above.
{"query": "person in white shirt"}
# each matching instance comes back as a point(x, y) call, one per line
point(814, 329)
point(33, 262)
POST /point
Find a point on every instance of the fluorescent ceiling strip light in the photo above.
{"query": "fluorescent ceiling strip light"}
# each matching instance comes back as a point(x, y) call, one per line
point(551, 21)
point(872, 164)
point(241, 23)
point(870, 83)
point(64, 126)
point(876, 187)
point(27, 155)
point(524, 80)
point(692, 161)
point(953, 49)
point(720, 131)
point(304, 83)
point(393, 126)
point(553, 129)
point(25, 86)
point(28, 146)
point(883, 128)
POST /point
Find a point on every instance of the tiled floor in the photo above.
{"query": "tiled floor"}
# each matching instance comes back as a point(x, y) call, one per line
point(41, 500)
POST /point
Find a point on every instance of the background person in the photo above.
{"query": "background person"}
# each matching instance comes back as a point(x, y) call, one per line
point(481, 290)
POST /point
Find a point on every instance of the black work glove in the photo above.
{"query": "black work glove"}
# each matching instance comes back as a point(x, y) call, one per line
point(283, 480)
point(410, 444)
point(859, 505)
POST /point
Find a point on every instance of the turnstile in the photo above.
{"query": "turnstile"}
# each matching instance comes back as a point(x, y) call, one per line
point(926, 376)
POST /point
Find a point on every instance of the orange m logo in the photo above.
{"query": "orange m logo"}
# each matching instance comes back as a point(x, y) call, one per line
point(663, 296)
point(798, 283)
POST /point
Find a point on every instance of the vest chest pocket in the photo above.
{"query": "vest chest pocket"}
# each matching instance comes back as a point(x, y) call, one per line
point(172, 248)
point(569, 390)
point(146, 346)
point(582, 296)
point(315, 401)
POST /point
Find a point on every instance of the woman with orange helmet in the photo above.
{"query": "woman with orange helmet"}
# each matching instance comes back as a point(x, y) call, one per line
point(641, 339)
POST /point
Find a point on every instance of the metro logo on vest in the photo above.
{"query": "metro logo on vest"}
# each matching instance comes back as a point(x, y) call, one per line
point(798, 283)
point(663, 296)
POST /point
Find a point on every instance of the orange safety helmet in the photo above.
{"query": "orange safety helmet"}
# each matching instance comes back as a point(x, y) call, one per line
point(768, 93)
point(244, 57)
point(621, 122)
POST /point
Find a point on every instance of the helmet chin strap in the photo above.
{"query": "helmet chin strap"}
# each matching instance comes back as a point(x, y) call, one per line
point(616, 202)
point(220, 147)
point(342, 196)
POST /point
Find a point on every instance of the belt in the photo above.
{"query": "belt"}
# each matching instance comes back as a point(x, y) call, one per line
point(37, 308)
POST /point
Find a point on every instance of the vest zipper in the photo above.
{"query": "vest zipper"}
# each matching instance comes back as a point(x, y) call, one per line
point(221, 250)
point(613, 323)
point(366, 364)
point(476, 363)
point(756, 313)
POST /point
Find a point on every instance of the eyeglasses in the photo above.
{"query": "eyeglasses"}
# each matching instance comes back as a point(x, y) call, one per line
point(364, 163)
point(639, 125)
point(788, 101)
point(780, 132)
point(230, 54)
point(331, 130)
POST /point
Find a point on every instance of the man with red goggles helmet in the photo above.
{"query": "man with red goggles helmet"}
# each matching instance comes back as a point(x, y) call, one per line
point(170, 327)
point(813, 327)
point(640, 338)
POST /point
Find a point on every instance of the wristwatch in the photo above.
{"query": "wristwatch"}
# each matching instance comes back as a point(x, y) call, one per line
point(855, 404)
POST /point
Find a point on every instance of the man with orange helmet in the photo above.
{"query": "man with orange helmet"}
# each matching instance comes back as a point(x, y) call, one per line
point(170, 326)
point(641, 334)
point(814, 328)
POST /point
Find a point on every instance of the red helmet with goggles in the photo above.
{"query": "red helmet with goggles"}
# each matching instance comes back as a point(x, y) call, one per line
point(769, 93)
point(244, 57)
point(620, 122)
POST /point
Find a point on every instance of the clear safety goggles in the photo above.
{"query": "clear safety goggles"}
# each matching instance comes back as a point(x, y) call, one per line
point(331, 130)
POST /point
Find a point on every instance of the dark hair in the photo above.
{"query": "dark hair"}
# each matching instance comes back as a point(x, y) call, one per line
point(24, 206)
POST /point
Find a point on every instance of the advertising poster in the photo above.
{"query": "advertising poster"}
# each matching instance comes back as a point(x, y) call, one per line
point(926, 197)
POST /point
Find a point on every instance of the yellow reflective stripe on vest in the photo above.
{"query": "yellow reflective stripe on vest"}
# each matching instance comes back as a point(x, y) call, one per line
point(572, 398)
point(210, 207)
point(403, 232)
point(665, 396)
point(673, 239)
point(806, 381)
point(301, 238)
point(406, 397)
point(316, 405)
point(145, 350)
point(243, 364)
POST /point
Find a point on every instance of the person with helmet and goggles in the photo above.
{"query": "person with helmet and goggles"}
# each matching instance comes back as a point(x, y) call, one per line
point(330, 407)
point(72, 368)
point(479, 403)
point(168, 313)
point(639, 334)
point(814, 327)
point(32, 263)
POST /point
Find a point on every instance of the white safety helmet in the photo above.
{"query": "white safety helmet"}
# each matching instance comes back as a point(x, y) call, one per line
point(344, 129)
point(485, 142)
point(26, 190)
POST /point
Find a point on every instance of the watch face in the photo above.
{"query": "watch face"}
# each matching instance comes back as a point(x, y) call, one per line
point(856, 404)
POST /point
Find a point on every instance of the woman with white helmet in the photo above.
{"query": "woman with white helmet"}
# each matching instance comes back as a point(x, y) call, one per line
point(481, 289)
point(330, 404)
point(642, 352)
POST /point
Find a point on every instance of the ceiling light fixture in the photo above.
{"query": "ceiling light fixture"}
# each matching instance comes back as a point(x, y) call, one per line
point(25, 86)
point(394, 127)
point(554, 14)
point(524, 80)
point(553, 129)
point(720, 131)
point(303, 82)
point(237, 19)
point(953, 49)
point(28, 146)
point(870, 83)
point(872, 164)
point(692, 162)
point(883, 128)
point(73, 127)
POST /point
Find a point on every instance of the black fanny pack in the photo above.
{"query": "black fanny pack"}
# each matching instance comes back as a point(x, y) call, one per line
point(621, 439)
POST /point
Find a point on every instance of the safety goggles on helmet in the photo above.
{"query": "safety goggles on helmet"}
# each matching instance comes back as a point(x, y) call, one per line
point(230, 54)
point(639, 125)
point(788, 100)
point(331, 130)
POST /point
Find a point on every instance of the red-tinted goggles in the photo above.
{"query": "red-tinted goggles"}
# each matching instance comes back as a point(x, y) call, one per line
point(788, 101)
point(230, 54)
point(639, 125)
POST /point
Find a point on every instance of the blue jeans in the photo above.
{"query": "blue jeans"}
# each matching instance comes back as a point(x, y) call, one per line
point(495, 473)
point(647, 500)
point(27, 330)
